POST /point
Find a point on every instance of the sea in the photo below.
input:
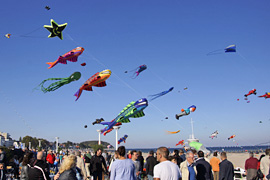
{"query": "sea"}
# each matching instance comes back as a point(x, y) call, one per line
point(231, 149)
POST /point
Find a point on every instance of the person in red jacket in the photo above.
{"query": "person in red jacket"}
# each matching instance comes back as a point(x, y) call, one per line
point(50, 158)
point(251, 166)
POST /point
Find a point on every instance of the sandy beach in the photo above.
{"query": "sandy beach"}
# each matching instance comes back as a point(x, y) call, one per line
point(238, 159)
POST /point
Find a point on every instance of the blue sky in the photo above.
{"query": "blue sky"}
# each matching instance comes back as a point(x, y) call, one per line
point(171, 37)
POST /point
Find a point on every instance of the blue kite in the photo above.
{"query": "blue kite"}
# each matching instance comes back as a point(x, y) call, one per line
point(154, 96)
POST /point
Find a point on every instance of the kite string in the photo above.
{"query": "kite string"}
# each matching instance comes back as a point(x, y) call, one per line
point(114, 74)
point(246, 61)
point(204, 114)
point(17, 113)
point(159, 77)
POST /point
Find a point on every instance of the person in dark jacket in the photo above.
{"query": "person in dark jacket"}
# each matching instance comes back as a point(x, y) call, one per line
point(68, 168)
point(226, 170)
point(141, 160)
point(182, 155)
point(204, 169)
point(3, 157)
point(2, 172)
point(178, 158)
point(150, 163)
point(96, 163)
point(38, 169)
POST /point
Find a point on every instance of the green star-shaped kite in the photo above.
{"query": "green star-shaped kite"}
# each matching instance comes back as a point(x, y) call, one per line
point(55, 29)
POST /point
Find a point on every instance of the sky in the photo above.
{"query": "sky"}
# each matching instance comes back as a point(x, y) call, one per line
point(171, 37)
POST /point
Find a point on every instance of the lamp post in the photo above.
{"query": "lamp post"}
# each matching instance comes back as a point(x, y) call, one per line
point(57, 138)
point(99, 132)
point(116, 136)
point(29, 145)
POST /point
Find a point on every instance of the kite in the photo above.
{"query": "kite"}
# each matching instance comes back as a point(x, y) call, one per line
point(248, 101)
point(154, 96)
point(228, 49)
point(185, 112)
point(253, 91)
point(55, 29)
point(231, 137)
point(85, 126)
point(199, 146)
point(69, 56)
point(231, 48)
point(138, 70)
point(214, 134)
point(62, 81)
point(185, 88)
point(132, 110)
point(98, 121)
point(48, 8)
point(266, 95)
point(166, 118)
point(173, 132)
point(122, 139)
point(180, 143)
point(195, 145)
point(83, 64)
point(260, 122)
point(98, 79)
point(8, 36)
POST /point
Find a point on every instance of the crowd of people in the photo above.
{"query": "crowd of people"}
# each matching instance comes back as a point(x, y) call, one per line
point(99, 165)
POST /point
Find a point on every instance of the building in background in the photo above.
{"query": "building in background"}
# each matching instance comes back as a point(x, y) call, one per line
point(5, 140)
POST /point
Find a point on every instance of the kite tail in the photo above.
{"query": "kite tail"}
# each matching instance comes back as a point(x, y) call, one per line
point(219, 51)
point(52, 64)
point(54, 85)
point(78, 94)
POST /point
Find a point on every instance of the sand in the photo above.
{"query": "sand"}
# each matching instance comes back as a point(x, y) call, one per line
point(238, 159)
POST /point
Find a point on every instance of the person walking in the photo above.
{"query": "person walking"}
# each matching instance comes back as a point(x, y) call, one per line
point(214, 162)
point(226, 170)
point(188, 168)
point(251, 166)
point(96, 163)
point(165, 169)
point(123, 168)
point(204, 170)
point(87, 159)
